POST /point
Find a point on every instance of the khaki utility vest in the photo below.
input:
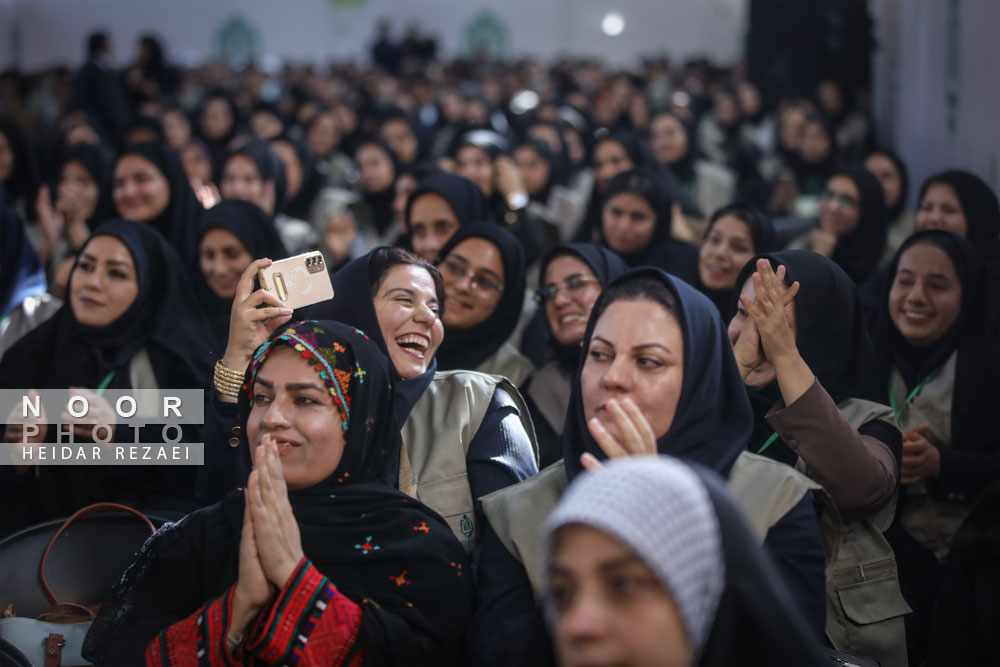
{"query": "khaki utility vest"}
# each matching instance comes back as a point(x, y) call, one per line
point(549, 389)
point(509, 363)
point(766, 490)
point(436, 438)
point(864, 604)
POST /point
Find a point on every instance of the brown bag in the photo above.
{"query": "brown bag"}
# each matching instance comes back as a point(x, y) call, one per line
point(42, 640)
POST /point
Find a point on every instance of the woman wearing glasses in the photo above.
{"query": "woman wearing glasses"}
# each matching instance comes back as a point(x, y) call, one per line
point(852, 223)
point(483, 270)
point(573, 276)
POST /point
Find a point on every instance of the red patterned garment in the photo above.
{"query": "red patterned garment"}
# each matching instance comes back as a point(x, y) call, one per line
point(308, 623)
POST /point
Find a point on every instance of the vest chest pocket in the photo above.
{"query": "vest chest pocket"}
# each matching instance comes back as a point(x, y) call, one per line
point(865, 611)
point(452, 499)
point(872, 601)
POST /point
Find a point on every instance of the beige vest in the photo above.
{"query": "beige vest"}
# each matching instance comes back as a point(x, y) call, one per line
point(436, 438)
point(509, 363)
point(549, 389)
point(766, 490)
point(930, 522)
point(864, 605)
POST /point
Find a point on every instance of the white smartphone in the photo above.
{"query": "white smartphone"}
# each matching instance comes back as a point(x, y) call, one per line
point(298, 281)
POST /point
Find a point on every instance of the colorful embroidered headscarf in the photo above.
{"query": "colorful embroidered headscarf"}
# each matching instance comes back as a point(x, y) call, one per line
point(393, 556)
point(358, 377)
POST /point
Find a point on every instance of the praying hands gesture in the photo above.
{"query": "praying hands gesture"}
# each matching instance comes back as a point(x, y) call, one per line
point(636, 435)
point(270, 547)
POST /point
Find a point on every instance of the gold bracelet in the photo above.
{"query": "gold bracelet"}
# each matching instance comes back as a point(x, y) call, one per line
point(227, 381)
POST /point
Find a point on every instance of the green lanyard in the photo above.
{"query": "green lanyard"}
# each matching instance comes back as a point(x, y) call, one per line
point(105, 382)
point(909, 399)
point(768, 442)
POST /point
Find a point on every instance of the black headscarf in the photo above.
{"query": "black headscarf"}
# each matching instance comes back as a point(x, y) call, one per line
point(300, 205)
point(831, 335)
point(380, 203)
point(22, 184)
point(548, 156)
point(812, 176)
point(680, 259)
point(761, 233)
point(713, 420)
point(859, 251)
point(256, 232)
point(95, 162)
point(975, 420)
point(217, 146)
point(21, 272)
point(164, 318)
point(352, 304)
point(606, 266)
point(178, 223)
point(468, 348)
point(893, 212)
point(148, 124)
point(355, 529)
point(641, 157)
point(982, 219)
point(683, 168)
point(270, 168)
point(979, 204)
point(463, 196)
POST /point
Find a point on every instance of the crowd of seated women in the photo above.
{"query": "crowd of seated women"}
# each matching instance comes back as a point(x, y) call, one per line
point(648, 373)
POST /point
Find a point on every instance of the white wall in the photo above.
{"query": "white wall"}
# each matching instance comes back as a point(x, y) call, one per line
point(53, 31)
point(933, 49)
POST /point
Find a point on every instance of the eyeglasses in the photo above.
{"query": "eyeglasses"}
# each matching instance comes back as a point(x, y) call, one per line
point(571, 284)
point(477, 281)
point(846, 201)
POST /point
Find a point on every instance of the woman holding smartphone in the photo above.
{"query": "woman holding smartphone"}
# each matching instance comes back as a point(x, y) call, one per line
point(465, 434)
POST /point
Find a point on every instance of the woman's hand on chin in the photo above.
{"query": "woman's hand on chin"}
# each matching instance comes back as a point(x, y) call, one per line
point(278, 542)
point(634, 437)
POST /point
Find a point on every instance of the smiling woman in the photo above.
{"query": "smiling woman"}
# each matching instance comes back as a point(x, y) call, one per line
point(234, 232)
point(466, 434)
point(572, 279)
point(150, 186)
point(937, 363)
point(735, 234)
point(131, 322)
point(483, 270)
point(318, 556)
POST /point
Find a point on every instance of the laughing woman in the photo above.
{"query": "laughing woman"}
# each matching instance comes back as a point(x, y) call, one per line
point(466, 434)
point(320, 560)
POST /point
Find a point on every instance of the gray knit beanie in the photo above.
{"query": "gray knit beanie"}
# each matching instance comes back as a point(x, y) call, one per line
point(657, 507)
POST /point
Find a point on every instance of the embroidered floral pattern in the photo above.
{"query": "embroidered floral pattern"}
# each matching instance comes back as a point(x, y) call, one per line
point(400, 579)
point(323, 359)
point(367, 546)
